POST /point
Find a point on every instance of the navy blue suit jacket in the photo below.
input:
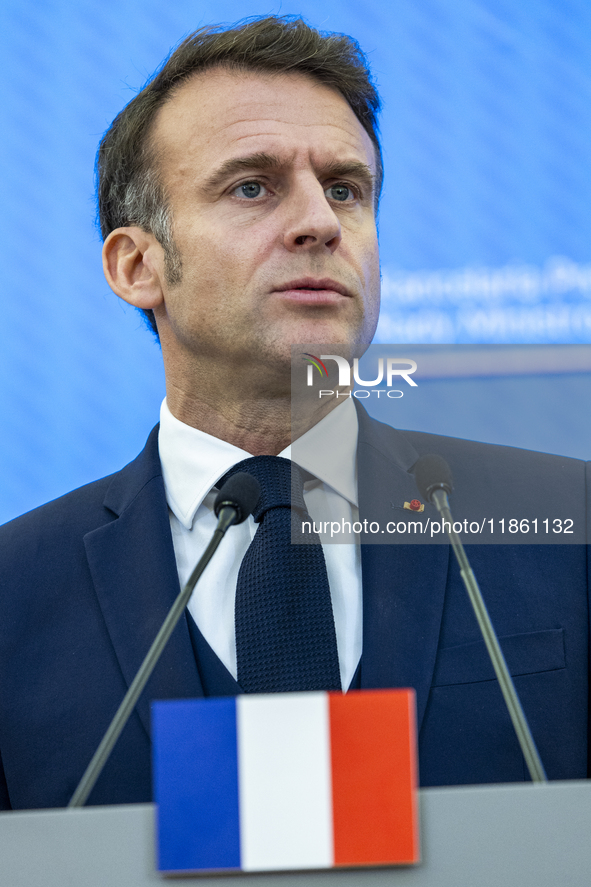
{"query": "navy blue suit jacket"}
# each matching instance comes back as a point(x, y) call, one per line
point(86, 581)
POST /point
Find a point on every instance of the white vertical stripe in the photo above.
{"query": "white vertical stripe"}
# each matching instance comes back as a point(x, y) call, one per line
point(284, 781)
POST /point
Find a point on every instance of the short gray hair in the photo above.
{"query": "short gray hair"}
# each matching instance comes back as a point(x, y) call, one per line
point(145, 205)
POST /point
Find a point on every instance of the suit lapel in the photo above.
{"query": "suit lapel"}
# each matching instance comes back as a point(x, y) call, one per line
point(403, 584)
point(133, 568)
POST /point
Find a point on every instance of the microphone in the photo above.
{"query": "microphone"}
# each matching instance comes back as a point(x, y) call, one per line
point(240, 494)
point(434, 480)
point(234, 503)
point(432, 473)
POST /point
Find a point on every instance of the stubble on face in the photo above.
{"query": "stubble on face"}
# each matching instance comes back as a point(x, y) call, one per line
point(231, 314)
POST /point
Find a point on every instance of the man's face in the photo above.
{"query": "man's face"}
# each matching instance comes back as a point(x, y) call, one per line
point(270, 184)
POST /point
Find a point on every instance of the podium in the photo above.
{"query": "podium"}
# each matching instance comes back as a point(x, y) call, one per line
point(512, 835)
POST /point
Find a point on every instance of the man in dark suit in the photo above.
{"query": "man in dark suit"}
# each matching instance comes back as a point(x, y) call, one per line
point(237, 196)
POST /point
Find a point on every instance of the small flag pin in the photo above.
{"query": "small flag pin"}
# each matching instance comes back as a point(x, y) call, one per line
point(414, 505)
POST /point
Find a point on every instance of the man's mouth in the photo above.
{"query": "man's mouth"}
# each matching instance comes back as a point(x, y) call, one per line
point(313, 290)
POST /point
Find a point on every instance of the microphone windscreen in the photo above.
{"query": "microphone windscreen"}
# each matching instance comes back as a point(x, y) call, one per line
point(432, 473)
point(242, 491)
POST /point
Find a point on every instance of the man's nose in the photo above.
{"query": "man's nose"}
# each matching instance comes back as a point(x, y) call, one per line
point(311, 222)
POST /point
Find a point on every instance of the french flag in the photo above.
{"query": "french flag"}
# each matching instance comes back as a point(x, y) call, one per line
point(286, 781)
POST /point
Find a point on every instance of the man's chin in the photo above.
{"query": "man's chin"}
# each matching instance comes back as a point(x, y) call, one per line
point(281, 350)
point(317, 335)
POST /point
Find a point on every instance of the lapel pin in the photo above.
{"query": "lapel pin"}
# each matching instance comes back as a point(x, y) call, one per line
point(414, 505)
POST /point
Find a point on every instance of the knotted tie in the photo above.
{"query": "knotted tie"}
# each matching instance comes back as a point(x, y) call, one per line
point(285, 633)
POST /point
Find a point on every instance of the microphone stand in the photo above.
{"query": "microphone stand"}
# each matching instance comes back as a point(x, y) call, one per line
point(526, 740)
point(228, 514)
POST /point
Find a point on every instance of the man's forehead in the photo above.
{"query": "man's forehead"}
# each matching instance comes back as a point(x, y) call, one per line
point(246, 111)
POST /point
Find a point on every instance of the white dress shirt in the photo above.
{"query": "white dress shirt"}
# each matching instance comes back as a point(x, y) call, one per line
point(193, 462)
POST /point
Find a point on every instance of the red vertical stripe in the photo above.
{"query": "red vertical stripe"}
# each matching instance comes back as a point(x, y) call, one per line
point(373, 749)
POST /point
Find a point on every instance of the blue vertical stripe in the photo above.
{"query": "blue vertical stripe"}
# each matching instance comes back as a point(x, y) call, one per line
point(196, 784)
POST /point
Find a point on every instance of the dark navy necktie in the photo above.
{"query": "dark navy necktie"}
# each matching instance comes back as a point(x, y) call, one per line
point(285, 633)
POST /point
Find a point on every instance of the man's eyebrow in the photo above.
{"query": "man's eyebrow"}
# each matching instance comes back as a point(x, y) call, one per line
point(261, 161)
point(345, 169)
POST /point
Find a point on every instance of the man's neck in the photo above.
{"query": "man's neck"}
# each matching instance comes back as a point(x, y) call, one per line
point(259, 425)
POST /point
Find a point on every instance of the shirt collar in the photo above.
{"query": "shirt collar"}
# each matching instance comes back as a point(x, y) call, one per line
point(193, 461)
point(329, 450)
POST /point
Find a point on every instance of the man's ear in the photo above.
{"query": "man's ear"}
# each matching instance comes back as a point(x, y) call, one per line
point(133, 262)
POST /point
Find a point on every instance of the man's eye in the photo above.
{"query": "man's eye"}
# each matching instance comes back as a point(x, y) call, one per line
point(339, 192)
point(249, 189)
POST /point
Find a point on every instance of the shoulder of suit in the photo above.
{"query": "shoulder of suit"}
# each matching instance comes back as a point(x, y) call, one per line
point(75, 507)
point(475, 464)
point(83, 509)
point(425, 442)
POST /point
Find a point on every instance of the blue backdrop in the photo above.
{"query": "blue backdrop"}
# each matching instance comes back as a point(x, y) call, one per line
point(485, 222)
